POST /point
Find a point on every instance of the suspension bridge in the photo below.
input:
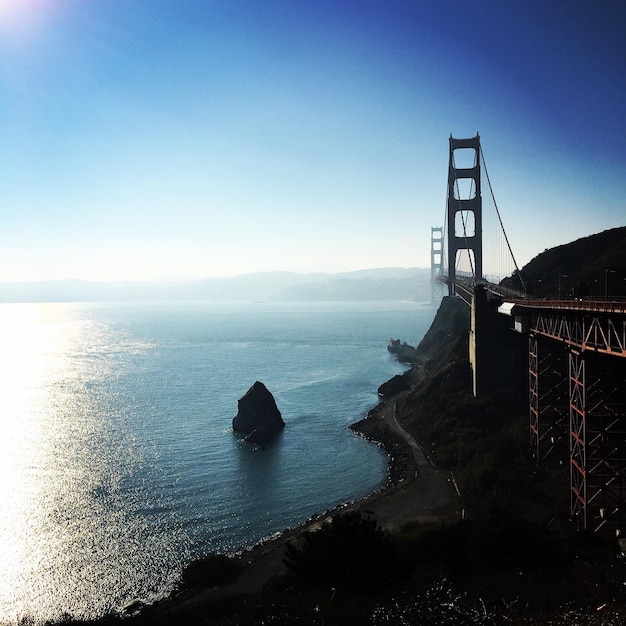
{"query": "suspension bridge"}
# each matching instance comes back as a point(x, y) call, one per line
point(566, 355)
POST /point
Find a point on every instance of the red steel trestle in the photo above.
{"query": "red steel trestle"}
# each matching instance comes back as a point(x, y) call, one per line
point(597, 442)
point(548, 400)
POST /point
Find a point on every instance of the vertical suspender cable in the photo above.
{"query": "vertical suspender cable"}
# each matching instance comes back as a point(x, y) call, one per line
point(500, 220)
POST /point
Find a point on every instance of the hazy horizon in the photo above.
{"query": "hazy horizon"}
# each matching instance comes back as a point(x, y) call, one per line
point(376, 284)
point(184, 279)
point(181, 140)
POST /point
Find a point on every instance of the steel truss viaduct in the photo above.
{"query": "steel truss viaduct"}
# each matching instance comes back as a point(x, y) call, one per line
point(577, 403)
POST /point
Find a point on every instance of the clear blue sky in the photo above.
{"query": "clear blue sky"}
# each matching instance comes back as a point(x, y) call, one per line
point(178, 138)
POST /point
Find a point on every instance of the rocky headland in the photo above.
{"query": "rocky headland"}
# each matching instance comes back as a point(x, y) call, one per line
point(403, 351)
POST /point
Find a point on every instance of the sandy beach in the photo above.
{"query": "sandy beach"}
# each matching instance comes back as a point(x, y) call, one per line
point(416, 491)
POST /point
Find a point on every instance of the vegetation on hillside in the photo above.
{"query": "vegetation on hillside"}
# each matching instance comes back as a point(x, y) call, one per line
point(351, 552)
point(593, 266)
point(483, 441)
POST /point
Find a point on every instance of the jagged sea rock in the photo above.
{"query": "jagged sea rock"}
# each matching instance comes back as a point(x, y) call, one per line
point(258, 417)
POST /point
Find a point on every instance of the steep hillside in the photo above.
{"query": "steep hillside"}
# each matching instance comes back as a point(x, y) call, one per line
point(591, 266)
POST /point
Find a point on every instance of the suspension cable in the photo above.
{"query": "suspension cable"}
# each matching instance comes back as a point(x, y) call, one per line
point(482, 155)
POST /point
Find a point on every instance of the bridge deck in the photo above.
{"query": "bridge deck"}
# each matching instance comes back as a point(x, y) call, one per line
point(591, 305)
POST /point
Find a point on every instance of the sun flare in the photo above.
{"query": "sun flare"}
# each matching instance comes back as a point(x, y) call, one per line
point(24, 17)
point(14, 11)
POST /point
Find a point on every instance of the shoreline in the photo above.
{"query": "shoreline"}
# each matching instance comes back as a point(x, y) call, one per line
point(415, 490)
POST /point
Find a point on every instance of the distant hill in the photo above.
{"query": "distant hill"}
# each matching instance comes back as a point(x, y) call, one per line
point(585, 267)
point(372, 284)
point(378, 284)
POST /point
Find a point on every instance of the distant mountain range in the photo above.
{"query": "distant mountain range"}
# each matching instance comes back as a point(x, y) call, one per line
point(591, 266)
point(372, 284)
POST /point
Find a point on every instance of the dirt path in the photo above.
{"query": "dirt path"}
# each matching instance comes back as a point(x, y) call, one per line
point(430, 495)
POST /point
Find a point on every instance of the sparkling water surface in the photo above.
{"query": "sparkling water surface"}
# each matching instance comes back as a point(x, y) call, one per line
point(118, 464)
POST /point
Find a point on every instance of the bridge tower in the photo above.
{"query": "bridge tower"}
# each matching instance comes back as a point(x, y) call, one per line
point(464, 206)
point(436, 262)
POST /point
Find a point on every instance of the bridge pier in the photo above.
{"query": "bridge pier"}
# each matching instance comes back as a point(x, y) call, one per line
point(496, 354)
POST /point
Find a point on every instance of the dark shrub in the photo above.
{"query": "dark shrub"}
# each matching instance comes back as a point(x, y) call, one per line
point(508, 545)
point(215, 569)
point(350, 552)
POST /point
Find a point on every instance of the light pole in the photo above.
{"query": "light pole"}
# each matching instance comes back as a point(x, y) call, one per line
point(607, 271)
point(561, 276)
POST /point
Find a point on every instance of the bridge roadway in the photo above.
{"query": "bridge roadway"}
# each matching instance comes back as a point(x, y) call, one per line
point(582, 323)
point(585, 323)
point(464, 288)
point(592, 305)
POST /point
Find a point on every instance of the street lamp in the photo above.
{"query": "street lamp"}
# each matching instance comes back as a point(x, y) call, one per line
point(607, 271)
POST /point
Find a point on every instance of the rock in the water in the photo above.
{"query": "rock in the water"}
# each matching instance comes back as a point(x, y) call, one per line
point(403, 351)
point(258, 416)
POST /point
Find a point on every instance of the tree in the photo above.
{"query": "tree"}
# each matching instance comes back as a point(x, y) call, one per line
point(350, 552)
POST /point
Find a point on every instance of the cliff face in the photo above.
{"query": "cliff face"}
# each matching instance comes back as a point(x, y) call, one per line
point(441, 363)
point(443, 369)
point(445, 342)
point(451, 324)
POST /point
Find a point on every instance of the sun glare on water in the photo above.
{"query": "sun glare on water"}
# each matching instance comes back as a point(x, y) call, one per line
point(72, 536)
point(35, 342)
point(28, 344)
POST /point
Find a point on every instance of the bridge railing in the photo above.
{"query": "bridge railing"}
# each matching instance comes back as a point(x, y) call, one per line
point(612, 305)
point(464, 285)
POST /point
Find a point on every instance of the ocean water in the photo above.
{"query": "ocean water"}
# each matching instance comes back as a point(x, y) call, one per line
point(118, 464)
